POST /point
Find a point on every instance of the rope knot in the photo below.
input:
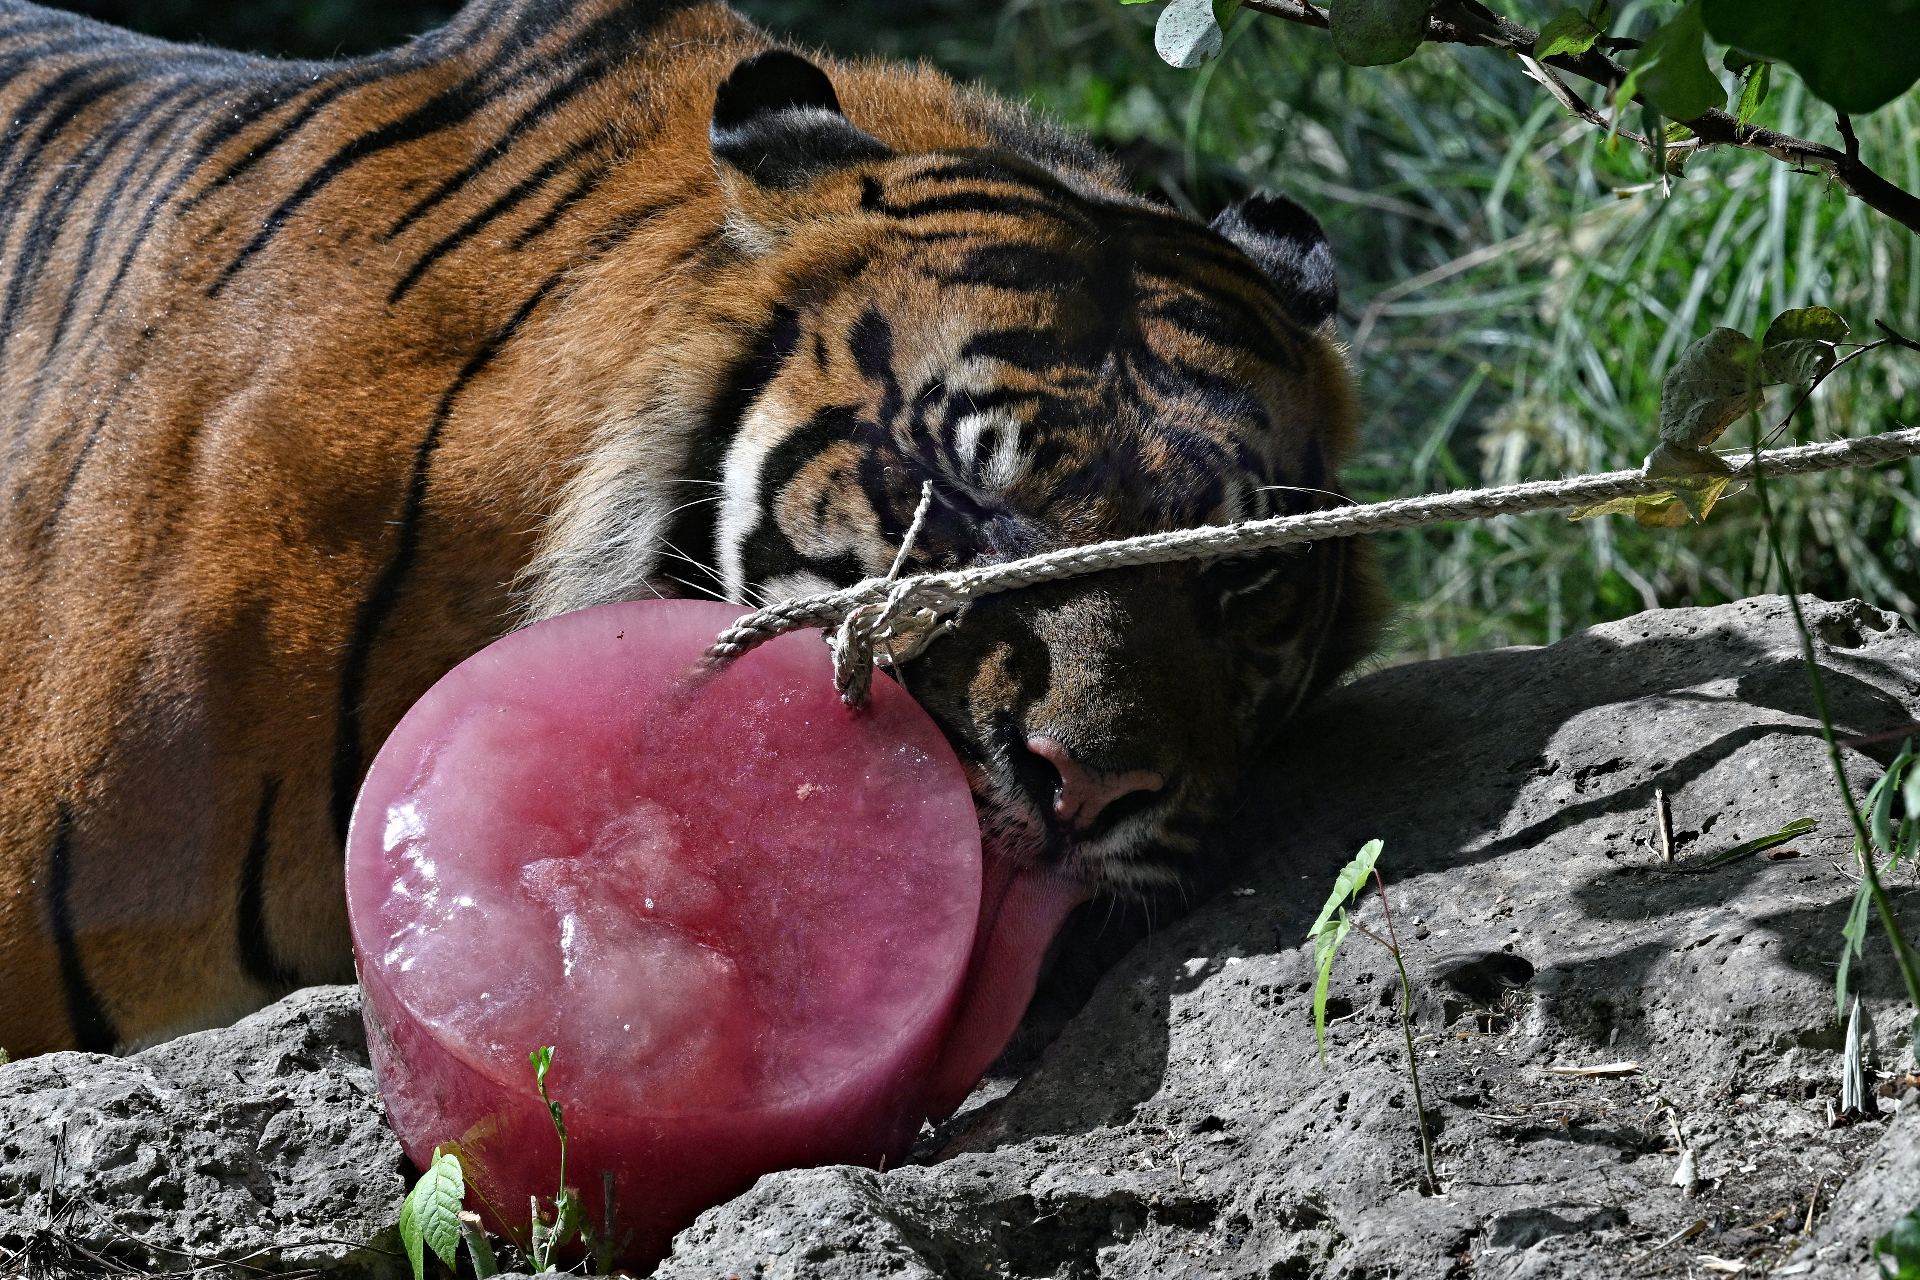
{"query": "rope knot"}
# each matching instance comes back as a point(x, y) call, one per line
point(890, 631)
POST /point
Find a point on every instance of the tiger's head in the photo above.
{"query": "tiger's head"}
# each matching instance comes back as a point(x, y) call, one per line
point(1065, 363)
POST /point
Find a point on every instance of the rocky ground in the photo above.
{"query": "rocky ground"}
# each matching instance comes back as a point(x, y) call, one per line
point(1183, 1123)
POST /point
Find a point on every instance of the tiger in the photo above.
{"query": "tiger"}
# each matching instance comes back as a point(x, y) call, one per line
point(321, 376)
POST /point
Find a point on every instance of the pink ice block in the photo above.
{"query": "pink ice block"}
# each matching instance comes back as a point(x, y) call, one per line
point(743, 918)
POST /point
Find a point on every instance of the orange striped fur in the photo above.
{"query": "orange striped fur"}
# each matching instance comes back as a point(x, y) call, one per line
point(319, 377)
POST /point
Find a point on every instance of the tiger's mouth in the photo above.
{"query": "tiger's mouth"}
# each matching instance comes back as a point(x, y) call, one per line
point(1027, 820)
point(1038, 867)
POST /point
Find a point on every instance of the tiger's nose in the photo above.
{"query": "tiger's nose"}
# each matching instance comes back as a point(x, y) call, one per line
point(1084, 794)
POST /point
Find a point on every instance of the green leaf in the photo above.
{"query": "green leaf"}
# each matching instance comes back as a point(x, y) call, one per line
point(567, 1220)
point(1792, 831)
point(1672, 69)
point(1880, 806)
point(1710, 386)
point(1661, 511)
point(1223, 11)
point(1853, 943)
point(430, 1215)
point(1798, 347)
point(1611, 507)
point(1326, 945)
point(1857, 58)
point(1571, 32)
point(1187, 33)
point(1332, 928)
point(542, 1059)
point(1694, 476)
point(1654, 511)
point(1738, 61)
point(1820, 323)
point(1910, 801)
point(1373, 33)
point(1902, 1242)
point(1753, 90)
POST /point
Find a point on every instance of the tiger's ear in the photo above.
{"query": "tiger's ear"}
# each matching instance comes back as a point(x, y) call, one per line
point(1286, 242)
point(777, 120)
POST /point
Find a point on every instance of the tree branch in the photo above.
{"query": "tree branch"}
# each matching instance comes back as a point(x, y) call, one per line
point(1470, 23)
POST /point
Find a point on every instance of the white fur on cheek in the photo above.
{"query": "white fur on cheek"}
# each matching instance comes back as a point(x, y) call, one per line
point(740, 507)
point(791, 586)
point(1003, 460)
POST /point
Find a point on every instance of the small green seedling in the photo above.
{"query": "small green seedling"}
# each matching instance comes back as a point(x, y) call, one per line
point(431, 1218)
point(1328, 932)
point(550, 1237)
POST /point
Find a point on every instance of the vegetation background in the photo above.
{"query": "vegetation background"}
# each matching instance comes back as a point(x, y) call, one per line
point(1514, 290)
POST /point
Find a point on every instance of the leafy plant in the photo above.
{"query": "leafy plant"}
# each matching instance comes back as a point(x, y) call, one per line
point(1717, 380)
point(1572, 32)
point(1885, 847)
point(1671, 70)
point(1516, 290)
point(1859, 59)
point(432, 1216)
point(550, 1236)
point(1328, 932)
point(1870, 842)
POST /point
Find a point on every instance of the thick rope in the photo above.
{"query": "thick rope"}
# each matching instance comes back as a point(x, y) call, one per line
point(893, 619)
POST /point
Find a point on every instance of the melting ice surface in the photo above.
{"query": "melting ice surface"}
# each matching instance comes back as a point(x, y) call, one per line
point(742, 918)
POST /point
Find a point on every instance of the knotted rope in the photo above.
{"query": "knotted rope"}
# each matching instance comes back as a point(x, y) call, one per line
point(892, 619)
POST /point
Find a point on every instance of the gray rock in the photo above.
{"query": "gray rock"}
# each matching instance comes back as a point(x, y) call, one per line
point(262, 1142)
point(1183, 1123)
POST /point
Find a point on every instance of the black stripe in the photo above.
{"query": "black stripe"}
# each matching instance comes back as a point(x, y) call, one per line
point(1029, 350)
point(1016, 267)
point(349, 760)
point(49, 219)
point(34, 58)
point(1223, 320)
point(51, 108)
point(874, 201)
point(441, 112)
point(506, 203)
point(498, 146)
point(312, 103)
point(583, 187)
point(256, 949)
point(59, 506)
point(227, 122)
point(693, 533)
point(109, 207)
point(768, 554)
point(93, 1030)
point(989, 167)
point(587, 51)
point(1178, 260)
